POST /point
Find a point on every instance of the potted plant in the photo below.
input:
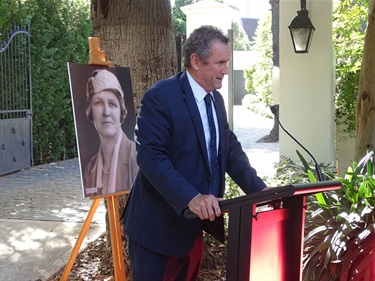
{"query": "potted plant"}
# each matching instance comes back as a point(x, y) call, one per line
point(339, 241)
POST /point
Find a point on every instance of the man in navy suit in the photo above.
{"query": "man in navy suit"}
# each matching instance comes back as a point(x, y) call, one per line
point(173, 144)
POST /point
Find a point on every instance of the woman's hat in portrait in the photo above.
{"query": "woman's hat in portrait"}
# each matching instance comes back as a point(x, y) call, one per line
point(101, 80)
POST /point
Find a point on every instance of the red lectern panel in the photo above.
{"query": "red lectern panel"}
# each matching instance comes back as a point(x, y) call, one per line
point(268, 245)
point(275, 236)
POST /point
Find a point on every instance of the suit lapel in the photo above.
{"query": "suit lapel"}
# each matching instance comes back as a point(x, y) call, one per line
point(194, 112)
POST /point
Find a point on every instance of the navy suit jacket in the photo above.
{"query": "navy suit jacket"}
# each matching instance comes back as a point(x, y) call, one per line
point(173, 168)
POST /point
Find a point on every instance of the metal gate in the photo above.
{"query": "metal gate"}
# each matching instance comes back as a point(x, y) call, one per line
point(15, 101)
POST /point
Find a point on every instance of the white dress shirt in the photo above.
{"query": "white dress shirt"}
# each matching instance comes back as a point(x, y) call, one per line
point(199, 94)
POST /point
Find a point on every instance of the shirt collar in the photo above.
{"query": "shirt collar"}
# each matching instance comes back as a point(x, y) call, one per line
point(198, 92)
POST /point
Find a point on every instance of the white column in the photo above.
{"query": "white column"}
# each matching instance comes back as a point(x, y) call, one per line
point(307, 85)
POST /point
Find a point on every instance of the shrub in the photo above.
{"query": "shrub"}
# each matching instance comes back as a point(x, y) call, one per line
point(59, 34)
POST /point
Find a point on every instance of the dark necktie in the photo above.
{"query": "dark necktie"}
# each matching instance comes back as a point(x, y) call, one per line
point(215, 174)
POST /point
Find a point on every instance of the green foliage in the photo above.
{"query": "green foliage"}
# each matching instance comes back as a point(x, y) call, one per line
point(290, 172)
point(340, 226)
point(178, 17)
point(241, 41)
point(258, 76)
point(232, 190)
point(12, 12)
point(59, 34)
point(349, 24)
point(62, 31)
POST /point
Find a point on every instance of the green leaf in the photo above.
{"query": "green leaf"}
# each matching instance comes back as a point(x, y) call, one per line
point(311, 176)
point(303, 160)
point(320, 198)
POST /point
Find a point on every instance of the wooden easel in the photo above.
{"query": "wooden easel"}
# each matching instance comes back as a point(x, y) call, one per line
point(97, 57)
point(116, 240)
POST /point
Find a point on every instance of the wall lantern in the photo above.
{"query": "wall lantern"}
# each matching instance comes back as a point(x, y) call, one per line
point(301, 30)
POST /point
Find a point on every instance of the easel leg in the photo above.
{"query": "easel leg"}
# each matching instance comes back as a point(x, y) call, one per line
point(79, 241)
point(116, 240)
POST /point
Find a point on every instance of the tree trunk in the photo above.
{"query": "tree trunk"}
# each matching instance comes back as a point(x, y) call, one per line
point(275, 26)
point(273, 136)
point(365, 115)
point(137, 34)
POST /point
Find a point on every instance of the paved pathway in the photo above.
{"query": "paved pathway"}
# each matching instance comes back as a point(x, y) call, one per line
point(249, 128)
point(50, 192)
point(41, 215)
point(42, 208)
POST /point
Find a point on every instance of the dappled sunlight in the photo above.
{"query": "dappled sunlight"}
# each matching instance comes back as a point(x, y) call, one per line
point(22, 241)
point(39, 237)
point(68, 211)
point(16, 257)
point(78, 214)
point(41, 243)
point(41, 218)
point(55, 210)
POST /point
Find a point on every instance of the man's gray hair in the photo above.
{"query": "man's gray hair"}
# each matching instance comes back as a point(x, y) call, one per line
point(200, 41)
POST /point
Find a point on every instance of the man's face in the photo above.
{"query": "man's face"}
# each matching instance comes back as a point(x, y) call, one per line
point(106, 113)
point(210, 74)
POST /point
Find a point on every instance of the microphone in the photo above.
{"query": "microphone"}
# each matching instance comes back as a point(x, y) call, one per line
point(274, 110)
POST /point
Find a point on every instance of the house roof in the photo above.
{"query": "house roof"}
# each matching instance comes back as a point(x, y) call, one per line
point(249, 25)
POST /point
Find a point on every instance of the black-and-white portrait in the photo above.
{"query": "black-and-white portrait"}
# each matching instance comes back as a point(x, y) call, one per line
point(104, 119)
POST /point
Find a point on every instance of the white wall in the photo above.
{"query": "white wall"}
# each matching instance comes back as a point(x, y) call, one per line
point(307, 84)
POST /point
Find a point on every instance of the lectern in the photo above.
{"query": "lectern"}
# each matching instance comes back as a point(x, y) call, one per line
point(265, 233)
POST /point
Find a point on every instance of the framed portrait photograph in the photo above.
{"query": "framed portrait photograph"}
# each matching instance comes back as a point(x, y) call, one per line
point(104, 119)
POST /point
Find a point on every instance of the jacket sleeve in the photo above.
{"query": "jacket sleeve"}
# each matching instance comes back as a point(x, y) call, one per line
point(153, 135)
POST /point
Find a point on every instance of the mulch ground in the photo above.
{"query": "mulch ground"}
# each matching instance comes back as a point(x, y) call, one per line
point(88, 265)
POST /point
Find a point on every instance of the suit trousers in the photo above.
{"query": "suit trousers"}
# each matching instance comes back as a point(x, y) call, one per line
point(150, 266)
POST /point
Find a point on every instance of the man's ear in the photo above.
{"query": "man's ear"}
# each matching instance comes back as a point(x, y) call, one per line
point(195, 61)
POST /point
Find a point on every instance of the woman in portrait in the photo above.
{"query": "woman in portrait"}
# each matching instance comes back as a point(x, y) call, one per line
point(114, 167)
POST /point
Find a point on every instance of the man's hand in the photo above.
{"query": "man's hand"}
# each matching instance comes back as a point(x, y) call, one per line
point(205, 206)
